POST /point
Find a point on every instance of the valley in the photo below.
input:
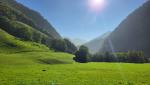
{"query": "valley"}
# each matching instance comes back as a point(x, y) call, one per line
point(25, 69)
point(32, 52)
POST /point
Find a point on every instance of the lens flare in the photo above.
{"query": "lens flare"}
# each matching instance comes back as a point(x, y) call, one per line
point(96, 5)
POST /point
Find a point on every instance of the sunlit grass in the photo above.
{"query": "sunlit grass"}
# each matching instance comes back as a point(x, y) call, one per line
point(28, 63)
point(24, 69)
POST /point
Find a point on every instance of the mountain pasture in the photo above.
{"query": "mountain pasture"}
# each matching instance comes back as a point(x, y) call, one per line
point(28, 69)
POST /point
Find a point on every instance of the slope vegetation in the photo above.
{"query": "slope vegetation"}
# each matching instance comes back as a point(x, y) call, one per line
point(28, 25)
point(32, 18)
point(9, 43)
point(15, 51)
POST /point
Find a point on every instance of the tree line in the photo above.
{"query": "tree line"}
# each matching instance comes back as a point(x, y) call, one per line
point(63, 45)
point(83, 56)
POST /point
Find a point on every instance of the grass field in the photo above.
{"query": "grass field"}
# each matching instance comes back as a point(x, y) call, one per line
point(50, 68)
point(28, 63)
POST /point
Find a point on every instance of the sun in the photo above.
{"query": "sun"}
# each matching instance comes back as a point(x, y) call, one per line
point(97, 2)
point(96, 5)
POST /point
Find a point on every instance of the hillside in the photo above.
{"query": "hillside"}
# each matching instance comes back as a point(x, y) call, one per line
point(132, 34)
point(13, 50)
point(96, 44)
point(26, 24)
point(25, 34)
point(10, 44)
point(38, 22)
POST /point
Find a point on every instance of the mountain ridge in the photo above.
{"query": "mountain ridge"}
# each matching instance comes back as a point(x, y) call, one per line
point(96, 44)
point(132, 33)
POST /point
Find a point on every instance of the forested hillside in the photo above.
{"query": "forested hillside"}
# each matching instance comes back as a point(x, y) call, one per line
point(28, 25)
point(38, 22)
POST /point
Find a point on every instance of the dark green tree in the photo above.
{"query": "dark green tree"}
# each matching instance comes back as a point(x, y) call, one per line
point(82, 54)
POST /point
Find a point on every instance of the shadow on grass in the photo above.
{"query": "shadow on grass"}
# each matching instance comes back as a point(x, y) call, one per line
point(51, 61)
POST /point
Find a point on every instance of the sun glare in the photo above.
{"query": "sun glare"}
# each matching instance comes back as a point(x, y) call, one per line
point(96, 5)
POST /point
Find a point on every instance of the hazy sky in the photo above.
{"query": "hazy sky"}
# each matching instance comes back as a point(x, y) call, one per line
point(77, 19)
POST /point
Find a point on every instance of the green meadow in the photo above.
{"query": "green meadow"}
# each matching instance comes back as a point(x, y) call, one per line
point(51, 68)
point(28, 63)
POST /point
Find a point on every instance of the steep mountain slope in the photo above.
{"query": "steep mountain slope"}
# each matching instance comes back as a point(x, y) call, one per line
point(132, 34)
point(28, 25)
point(96, 44)
point(15, 19)
point(33, 18)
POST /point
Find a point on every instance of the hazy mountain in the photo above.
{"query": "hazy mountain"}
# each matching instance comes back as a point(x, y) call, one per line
point(96, 44)
point(78, 41)
point(132, 34)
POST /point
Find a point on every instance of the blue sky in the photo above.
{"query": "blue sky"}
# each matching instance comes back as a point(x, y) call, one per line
point(74, 18)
